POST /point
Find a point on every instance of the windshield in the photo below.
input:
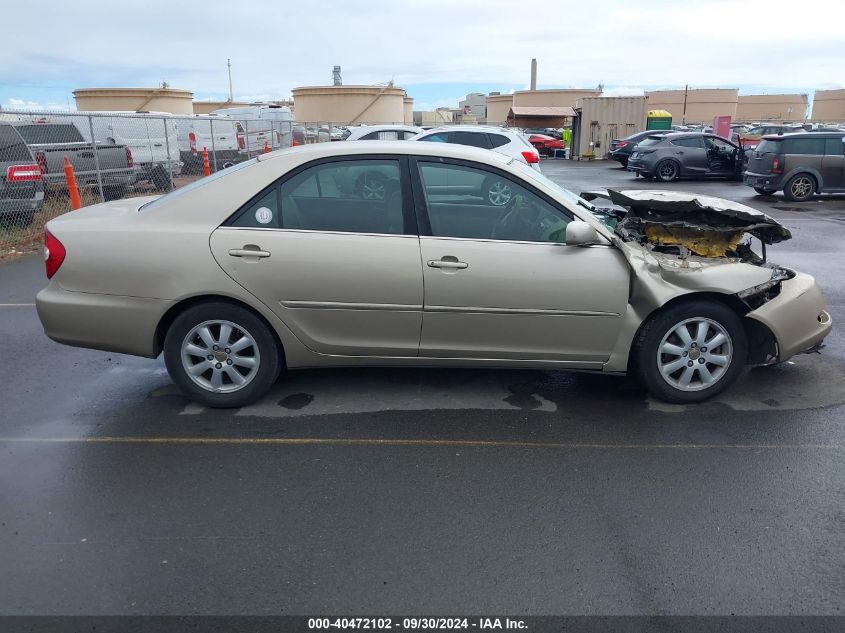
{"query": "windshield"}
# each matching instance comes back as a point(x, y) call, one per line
point(176, 193)
point(769, 147)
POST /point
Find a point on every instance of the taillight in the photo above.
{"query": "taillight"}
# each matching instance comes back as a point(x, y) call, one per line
point(777, 165)
point(241, 144)
point(129, 161)
point(41, 159)
point(621, 144)
point(23, 173)
point(531, 157)
point(54, 253)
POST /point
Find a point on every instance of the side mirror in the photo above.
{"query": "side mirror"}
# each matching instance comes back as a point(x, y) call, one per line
point(579, 233)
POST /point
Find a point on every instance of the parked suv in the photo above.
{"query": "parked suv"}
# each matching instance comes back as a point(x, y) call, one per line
point(21, 186)
point(799, 164)
point(503, 141)
point(686, 155)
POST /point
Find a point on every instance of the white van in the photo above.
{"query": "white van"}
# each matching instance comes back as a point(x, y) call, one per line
point(151, 136)
point(218, 134)
point(261, 125)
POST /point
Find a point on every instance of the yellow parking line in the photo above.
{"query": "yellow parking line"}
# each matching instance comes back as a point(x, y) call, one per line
point(317, 441)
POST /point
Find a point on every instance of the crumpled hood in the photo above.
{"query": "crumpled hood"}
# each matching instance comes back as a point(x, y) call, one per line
point(677, 209)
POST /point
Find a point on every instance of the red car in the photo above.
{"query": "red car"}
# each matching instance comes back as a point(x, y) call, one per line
point(545, 145)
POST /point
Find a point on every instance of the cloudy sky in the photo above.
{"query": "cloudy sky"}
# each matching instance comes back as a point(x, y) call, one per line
point(438, 50)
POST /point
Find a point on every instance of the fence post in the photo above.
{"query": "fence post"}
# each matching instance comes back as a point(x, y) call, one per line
point(213, 149)
point(96, 158)
point(169, 162)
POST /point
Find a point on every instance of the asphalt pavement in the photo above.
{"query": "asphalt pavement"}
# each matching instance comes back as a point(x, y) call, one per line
point(388, 491)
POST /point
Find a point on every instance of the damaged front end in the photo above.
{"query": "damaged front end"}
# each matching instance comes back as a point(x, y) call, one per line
point(682, 243)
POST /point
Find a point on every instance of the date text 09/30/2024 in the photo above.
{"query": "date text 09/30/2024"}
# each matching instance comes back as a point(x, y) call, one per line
point(416, 623)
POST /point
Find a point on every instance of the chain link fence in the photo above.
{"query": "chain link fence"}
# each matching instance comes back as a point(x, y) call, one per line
point(121, 155)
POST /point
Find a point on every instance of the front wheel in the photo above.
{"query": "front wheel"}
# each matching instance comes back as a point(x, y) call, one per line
point(221, 355)
point(691, 351)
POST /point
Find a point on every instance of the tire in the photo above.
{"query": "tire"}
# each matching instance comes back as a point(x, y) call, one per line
point(663, 374)
point(23, 219)
point(800, 188)
point(372, 186)
point(258, 361)
point(667, 171)
point(161, 179)
point(763, 192)
point(624, 162)
point(497, 191)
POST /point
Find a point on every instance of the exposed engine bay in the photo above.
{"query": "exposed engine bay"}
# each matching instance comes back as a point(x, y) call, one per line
point(686, 224)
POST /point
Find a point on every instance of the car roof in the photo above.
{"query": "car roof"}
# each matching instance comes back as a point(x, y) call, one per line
point(315, 151)
point(376, 128)
point(471, 128)
point(775, 137)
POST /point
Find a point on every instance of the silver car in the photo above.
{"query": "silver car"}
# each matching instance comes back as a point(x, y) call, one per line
point(270, 264)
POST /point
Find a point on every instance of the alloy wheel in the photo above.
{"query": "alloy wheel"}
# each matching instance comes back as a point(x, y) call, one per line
point(801, 187)
point(500, 193)
point(668, 171)
point(373, 188)
point(220, 356)
point(694, 354)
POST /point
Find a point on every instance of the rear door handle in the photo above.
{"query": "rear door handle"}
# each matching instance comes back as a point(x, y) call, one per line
point(248, 252)
point(446, 263)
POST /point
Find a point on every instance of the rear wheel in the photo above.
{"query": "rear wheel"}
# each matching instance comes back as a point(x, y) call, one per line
point(221, 355)
point(690, 351)
point(800, 188)
point(667, 171)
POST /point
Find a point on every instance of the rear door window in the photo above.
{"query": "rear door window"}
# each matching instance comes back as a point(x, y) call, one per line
point(694, 141)
point(440, 137)
point(651, 140)
point(352, 196)
point(497, 140)
point(12, 147)
point(473, 139)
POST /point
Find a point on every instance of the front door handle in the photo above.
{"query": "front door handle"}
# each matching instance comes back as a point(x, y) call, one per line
point(248, 252)
point(450, 263)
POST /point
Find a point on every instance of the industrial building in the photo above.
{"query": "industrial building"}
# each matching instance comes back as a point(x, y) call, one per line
point(781, 107)
point(498, 107)
point(829, 105)
point(408, 110)
point(163, 99)
point(698, 105)
point(440, 116)
point(474, 104)
point(598, 120)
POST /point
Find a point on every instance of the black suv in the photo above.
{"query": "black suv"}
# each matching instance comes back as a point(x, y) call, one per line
point(799, 164)
point(21, 186)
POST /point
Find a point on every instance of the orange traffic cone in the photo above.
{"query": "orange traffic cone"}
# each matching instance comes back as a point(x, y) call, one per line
point(72, 189)
point(206, 167)
point(266, 148)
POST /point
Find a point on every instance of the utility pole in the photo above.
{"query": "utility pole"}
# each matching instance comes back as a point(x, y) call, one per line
point(229, 65)
point(684, 117)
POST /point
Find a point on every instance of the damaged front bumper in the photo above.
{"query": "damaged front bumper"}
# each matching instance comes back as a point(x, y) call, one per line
point(797, 316)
